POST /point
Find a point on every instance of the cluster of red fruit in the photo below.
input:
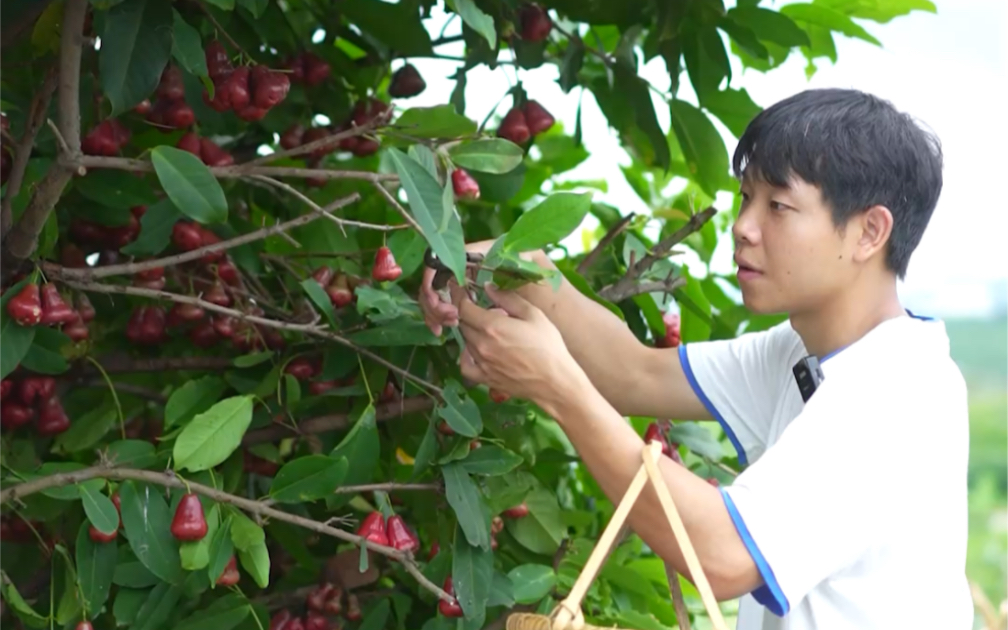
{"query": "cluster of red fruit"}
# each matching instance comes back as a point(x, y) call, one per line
point(308, 68)
point(522, 123)
point(31, 307)
point(249, 92)
point(322, 602)
point(392, 532)
point(205, 149)
point(14, 528)
point(673, 331)
point(170, 110)
point(304, 369)
point(365, 111)
point(107, 138)
point(656, 431)
point(103, 237)
point(21, 398)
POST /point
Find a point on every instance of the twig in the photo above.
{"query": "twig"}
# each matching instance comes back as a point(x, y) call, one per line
point(72, 273)
point(613, 232)
point(398, 206)
point(169, 480)
point(23, 150)
point(388, 487)
point(315, 144)
point(665, 286)
point(22, 239)
point(127, 364)
point(59, 137)
point(337, 421)
point(626, 286)
point(675, 589)
point(221, 30)
point(228, 172)
point(130, 388)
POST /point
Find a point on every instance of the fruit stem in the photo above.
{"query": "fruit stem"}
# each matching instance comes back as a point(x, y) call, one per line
point(115, 397)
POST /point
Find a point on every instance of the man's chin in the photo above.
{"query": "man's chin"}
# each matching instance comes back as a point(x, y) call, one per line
point(758, 306)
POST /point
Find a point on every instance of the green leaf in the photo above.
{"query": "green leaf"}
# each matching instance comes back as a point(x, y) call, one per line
point(638, 94)
point(424, 157)
point(695, 310)
point(426, 451)
point(308, 478)
point(472, 574)
point(464, 498)
point(702, 146)
point(253, 359)
point(377, 618)
point(213, 435)
point(226, 5)
point(476, 19)
point(155, 229)
point(361, 447)
point(549, 222)
point(439, 121)
point(190, 184)
point(320, 298)
point(44, 355)
point(146, 519)
point(69, 492)
point(245, 534)
point(459, 411)
point(398, 26)
point(769, 25)
point(401, 332)
point(192, 398)
point(881, 12)
point(255, 7)
point(195, 555)
point(158, 607)
point(134, 575)
point(130, 453)
point(501, 591)
point(17, 340)
point(187, 48)
point(490, 460)
point(386, 305)
point(221, 550)
point(224, 614)
point(20, 606)
point(96, 565)
point(532, 582)
point(256, 562)
point(827, 18)
point(489, 155)
point(136, 43)
point(114, 189)
point(70, 604)
point(732, 107)
point(100, 510)
point(86, 431)
point(440, 224)
point(542, 530)
point(696, 438)
point(127, 605)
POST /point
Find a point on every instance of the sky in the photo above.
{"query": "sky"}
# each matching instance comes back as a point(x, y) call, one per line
point(947, 69)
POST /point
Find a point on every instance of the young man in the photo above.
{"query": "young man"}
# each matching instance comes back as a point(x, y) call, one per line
point(834, 524)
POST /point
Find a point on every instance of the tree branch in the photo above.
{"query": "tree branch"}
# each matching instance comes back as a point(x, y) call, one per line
point(130, 388)
point(92, 273)
point(23, 237)
point(230, 172)
point(126, 364)
point(22, 153)
point(613, 232)
point(398, 206)
point(337, 421)
point(325, 142)
point(627, 286)
point(170, 480)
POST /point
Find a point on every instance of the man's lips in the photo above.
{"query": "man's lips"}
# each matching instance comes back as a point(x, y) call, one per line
point(744, 266)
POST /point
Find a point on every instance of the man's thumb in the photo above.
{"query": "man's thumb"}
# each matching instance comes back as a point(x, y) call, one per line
point(512, 303)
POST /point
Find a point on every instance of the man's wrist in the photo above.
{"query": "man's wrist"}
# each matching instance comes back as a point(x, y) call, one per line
point(570, 396)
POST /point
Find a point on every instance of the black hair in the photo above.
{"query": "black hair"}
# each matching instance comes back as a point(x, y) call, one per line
point(859, 150)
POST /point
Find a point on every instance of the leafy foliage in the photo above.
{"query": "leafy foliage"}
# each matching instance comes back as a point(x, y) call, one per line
point(292, 371)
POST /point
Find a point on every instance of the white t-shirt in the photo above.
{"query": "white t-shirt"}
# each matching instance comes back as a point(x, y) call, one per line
point(853, 505)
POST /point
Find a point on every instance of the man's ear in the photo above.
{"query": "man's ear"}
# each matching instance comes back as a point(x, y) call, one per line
point(873, 230)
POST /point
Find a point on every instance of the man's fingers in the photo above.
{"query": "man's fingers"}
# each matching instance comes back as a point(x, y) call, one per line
point(469, 368)
point(512, 303)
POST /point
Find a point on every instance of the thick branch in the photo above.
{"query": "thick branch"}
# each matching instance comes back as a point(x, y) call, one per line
point(168, 479)
point(23, 237)
point(627, 285)
point(613, 232)
point(239, 170)
point(337, 421)
point(22, 153)
point(665, 286)
point(72, 273)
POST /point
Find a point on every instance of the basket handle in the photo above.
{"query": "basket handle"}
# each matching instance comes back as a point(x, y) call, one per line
point(569, 610)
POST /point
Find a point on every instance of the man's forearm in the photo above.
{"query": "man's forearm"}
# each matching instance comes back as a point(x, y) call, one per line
point(611, 450)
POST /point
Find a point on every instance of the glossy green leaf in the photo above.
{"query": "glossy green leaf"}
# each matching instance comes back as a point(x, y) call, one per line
point(195, 555)
point(114, 189)
point(321, 299)
point(136, 45)
point(464, 498)
point(159, 606)
point(130, 453)
point(489, 155)
point(96, 565)
point(127, 604)
point(308, 478)
point(440, 224)
point(19, 605)
point(68, 492)
point(253, 359)
point(635, 91)
point(192, 398)
point(221, 550)
point(213, 435)
point(472, 574)
point(490, 460)
point(532, 582)
point(245, 534)
point(476, 19)
point(44, 356)
point(255, 7)
point(695, 310)
point(361, 447)
point(732, 107)
point(256, 561)
point(770, 25)
point(551, 221)
point(438, 121)
point(224, 614)
point(702, 145)
point(825, 17)
point(226, 5)
point(100, 510)
point(460, 412)
point(155, 229)
point(133, 574)
point(425, 158)
point(426, 451)
point(187, 49)
point(542, 530)
point(397, 25)
point(146, 519)
point(190, 185)
point(401, 332)
point(87, 430)
point(17, 341)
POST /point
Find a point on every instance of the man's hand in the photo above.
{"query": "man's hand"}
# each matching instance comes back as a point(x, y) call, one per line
point(514, 348)
point(436, 312)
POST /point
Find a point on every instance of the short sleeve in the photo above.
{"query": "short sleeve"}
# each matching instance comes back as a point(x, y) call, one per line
point(817, 500)
point(738, 381)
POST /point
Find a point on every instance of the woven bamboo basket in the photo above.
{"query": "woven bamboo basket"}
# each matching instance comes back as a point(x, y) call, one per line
point(567, 614)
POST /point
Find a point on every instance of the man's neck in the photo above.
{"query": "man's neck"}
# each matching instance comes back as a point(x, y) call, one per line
point(848, 318)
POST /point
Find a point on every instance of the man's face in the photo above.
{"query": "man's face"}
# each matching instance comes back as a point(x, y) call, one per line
point(790, 257)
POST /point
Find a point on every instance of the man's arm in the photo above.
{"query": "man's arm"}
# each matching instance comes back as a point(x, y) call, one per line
point(611, 450)
point(635, 379)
